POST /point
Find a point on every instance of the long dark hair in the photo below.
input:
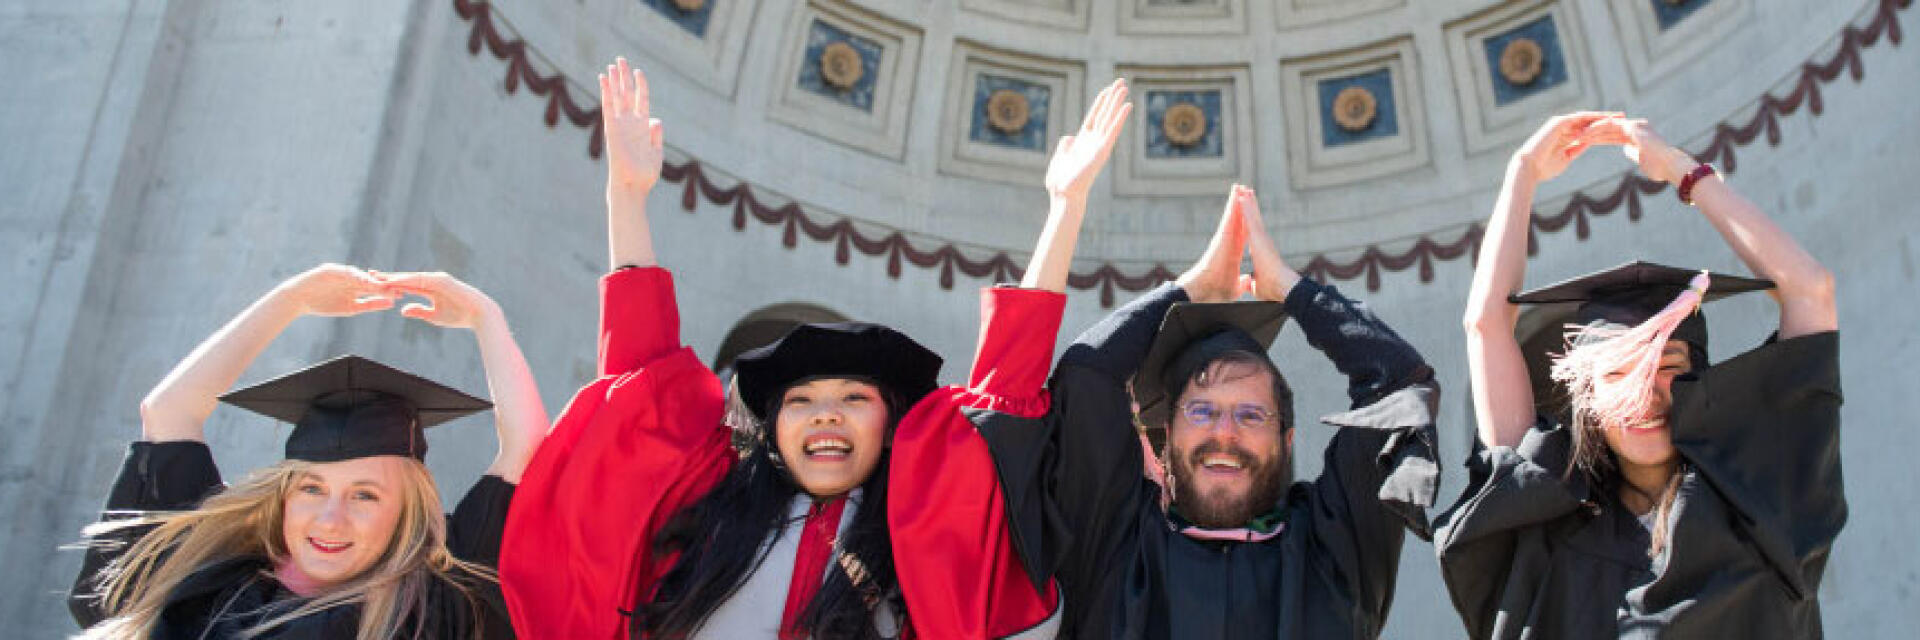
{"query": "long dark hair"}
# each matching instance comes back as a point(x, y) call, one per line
point(723, 538)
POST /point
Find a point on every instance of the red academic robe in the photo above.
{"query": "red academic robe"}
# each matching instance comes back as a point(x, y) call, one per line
point(646, 439)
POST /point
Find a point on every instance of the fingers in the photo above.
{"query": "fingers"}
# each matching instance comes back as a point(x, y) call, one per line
point(419, 311)
point(1230, 234)
point(656, 134)
point(1090, 122)
point(625, 74)
point(606, 97)
point(616, 99)
point(414, 280)
point(1259, 244)
point(642, 94)
point(1244, 286)
point(365, 305)
point(1119, 122)
point(1250, 211)
point(1114, 105)
point(1232, 225)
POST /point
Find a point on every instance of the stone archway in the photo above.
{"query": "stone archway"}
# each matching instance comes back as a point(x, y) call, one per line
point(763, 326)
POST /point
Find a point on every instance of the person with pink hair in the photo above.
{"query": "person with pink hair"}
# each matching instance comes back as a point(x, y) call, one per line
point(1671, 497)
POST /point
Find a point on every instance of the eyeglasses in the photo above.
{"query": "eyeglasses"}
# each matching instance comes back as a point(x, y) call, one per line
point(1250, 417)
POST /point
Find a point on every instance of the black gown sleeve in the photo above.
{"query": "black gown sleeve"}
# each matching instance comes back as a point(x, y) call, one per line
point(1763, 429)
point(474, 530)
point(155, 476)
point(1380, 472)
point(476, 524)
point(1493, 534)
point(1084, 463)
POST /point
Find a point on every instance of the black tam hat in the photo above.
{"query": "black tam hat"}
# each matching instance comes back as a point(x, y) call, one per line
point(351, 407)
point(836, 350)
point(1629, 294)
point(1192, 335)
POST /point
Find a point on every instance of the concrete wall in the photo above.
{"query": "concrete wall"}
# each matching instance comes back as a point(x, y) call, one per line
point(165, 162)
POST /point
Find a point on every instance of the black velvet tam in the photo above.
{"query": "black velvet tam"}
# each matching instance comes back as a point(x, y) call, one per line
point(1193, 334)
point(836, 350)
point(352, 407)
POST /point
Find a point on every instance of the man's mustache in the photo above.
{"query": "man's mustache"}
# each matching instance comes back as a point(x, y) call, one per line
point(1211, 447)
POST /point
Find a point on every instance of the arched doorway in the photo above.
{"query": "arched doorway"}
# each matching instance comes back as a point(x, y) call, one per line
point(762, 327)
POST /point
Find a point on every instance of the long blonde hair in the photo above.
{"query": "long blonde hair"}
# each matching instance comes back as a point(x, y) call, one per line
point(246, 520)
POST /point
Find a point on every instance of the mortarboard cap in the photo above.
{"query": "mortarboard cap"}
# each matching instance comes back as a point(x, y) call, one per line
point(352, 407)
point(1193, 334)
point(1628, 294)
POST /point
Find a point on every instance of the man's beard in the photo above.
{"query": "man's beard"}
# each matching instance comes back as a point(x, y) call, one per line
point(1219, 509)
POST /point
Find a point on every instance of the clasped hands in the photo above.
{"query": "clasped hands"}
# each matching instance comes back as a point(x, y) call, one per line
point(337, 290)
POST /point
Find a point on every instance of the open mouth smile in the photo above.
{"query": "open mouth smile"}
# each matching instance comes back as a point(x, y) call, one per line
point(1222, 464)
point(827, 447)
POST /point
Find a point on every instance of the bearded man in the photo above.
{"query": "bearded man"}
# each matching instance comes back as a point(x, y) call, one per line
point(1225, 545)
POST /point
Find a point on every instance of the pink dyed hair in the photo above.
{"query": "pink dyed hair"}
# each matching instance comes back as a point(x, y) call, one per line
point(1594, 353)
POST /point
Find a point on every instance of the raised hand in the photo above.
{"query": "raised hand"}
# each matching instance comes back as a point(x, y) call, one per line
point(335, 290)
point(1216, 276)
point(1078, 158)
point(450, 302)
point(1657, 159)
point(519, 417)
point(1554, 146)
point(1272, 278)
point(633, 135)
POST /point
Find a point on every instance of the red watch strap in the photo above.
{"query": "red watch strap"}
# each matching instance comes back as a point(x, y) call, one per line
point(1693, 177)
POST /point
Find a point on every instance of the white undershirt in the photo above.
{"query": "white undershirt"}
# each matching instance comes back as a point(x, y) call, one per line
point(755, 609)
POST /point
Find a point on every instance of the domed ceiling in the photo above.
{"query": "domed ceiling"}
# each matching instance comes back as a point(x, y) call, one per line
point(916, 132)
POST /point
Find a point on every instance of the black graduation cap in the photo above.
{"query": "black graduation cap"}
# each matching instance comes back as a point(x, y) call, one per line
point(1629, 294)
point(1193, 334)
point(352, 407)
point(836, 350)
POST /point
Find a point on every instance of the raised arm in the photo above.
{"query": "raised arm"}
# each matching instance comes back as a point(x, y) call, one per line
point(519, 416)
point(1805, 290)
point(177, 408)
point(1502, 396)
point(634, 154)
point(1076, 163)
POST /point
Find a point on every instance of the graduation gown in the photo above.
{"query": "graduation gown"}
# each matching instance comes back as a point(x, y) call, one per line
point(1126, 572)
point(646, 439)
point(1527, 553)
point(224, 598)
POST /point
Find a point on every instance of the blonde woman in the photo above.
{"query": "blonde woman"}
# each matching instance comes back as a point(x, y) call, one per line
point(343, 539)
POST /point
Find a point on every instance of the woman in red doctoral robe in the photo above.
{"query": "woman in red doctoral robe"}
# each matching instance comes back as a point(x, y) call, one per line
point(637, 518)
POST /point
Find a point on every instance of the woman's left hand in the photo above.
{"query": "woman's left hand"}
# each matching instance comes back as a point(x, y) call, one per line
point(1078, 158)
point(450, 302)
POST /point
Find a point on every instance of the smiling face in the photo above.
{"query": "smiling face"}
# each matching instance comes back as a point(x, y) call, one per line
point(1647, 442)
point(831, 432)
point(339, 519)
point(1228, 472)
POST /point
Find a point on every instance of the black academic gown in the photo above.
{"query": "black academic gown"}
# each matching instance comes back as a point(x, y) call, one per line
point(1082, 508)
point(222, 599)
point(1527, 553)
